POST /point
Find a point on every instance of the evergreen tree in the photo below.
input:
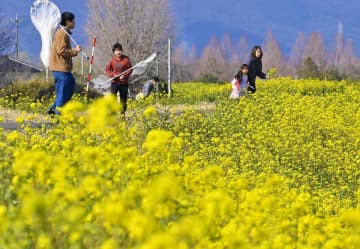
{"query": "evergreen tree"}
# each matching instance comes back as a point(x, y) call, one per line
point(309, 69)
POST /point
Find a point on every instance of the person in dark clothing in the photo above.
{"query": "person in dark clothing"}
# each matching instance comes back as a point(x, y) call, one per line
point(255, 68)
point(119, 65)
point(148, 88)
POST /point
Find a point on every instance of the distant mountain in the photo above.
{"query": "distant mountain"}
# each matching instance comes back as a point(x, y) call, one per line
point(198, 20)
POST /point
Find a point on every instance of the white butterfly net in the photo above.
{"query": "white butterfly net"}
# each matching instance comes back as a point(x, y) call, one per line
point(46, 17)
point(140, 67)
point(102, 82)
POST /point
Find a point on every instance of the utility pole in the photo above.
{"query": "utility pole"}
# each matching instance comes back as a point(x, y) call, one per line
point(339, 45)
point(17, 37)
point(157, 75)
point(169, 67)
point(17, 21)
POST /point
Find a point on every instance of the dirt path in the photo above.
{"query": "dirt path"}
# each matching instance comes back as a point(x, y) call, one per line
point(8, 119)
point(182, 107)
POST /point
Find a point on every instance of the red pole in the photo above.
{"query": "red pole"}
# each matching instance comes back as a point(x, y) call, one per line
point(90, 67)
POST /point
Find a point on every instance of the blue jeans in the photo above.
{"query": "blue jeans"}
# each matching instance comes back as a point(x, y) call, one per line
point(64, 89)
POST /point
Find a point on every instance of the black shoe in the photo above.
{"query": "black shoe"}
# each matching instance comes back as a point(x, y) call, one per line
point(51, 111)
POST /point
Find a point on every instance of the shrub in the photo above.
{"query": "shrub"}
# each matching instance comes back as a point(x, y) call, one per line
point(36, 90)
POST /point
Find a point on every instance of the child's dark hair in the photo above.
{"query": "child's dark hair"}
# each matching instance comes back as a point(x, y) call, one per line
point(117, 46)
point(66, 16)
point(253, 52)
point(155, 78)
point(239, 74)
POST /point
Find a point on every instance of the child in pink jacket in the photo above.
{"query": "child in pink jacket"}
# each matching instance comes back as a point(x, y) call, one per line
point(240, 82)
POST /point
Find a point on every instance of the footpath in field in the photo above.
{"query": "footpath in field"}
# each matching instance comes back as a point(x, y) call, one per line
point(9, 117)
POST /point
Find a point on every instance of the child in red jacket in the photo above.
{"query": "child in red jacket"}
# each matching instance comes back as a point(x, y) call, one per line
point(119, 68)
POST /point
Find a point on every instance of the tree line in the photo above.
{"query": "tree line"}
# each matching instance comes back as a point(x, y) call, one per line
point(143, 27)
point(308, 58)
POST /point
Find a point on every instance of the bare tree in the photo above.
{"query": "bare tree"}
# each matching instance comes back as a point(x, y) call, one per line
point(349, 63)
point(295, 58)
point(141, 26)
point(244, 51)
point(193, 61)
point(7, 36)
point(348, 55)
point(226, 46)
point(274, 57)
point(212, 63)
point(181, 70)
point(193, 55)
point(315, 49)
point(179, 55)
point(228, 51)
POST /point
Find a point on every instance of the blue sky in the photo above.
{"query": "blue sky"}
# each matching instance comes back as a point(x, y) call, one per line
point(198, 20)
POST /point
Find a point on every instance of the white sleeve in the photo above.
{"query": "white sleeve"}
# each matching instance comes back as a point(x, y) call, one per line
point(233, 82)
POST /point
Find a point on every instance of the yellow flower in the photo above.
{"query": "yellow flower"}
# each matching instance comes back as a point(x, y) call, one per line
point(2, 210)
point(74, 236)
point(162, 241)
point(157, 140)
point(139, 226)
point(43, 242)
point(103, 113)
point(351, 218)
point(71, 111)
point(217, 206)
point(149, 112)
point(109, 244)
point(20, 119)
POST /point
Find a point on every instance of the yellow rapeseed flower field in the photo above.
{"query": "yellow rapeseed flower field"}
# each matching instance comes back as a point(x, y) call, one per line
point(275, 169)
